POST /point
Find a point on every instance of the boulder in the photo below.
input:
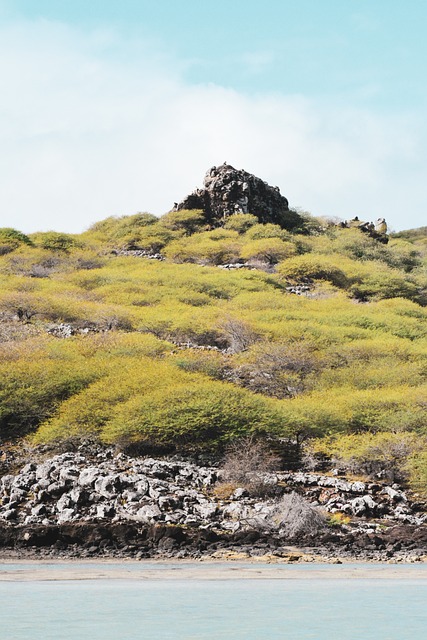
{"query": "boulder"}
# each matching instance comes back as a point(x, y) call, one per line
point(228, 190)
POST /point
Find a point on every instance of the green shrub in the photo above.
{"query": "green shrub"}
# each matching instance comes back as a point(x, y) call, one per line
point(270, 250)
point(11, 239)
point(188, 221)
point(54, 241)
point(417, 467)
point(261, 231)
point(314, 267)
point(205, 414)
point(369, 453)
point(240, 222)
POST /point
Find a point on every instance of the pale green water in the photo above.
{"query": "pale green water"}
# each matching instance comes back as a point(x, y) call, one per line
point(299, 609)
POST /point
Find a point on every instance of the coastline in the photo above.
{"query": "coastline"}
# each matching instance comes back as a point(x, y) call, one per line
point(23, 570)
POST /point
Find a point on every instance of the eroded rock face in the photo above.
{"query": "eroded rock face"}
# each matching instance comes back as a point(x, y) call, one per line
point(228, 190)
point(61, 500)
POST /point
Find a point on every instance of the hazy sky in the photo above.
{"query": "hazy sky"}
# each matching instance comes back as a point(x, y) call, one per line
point(109, 107)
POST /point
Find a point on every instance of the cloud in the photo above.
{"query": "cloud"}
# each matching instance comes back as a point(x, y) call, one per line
point(92, 125)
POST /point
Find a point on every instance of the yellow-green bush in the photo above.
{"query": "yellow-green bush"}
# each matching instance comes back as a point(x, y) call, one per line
point(187, 221)
point(11, 239)
point(389, 454)
point(417, 468)
point(211, 247)
point(240, 222)
point(203, 414)
point(262, 231)
point(338, 365)
point(54, 241)
point(269, 250)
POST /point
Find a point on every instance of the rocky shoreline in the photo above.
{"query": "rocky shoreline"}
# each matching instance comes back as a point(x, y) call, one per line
point(98, 503)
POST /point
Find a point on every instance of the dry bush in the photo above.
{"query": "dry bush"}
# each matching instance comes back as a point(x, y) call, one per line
point(224, 490)
point(295, 517)
point(246, 463)
point(238, 334)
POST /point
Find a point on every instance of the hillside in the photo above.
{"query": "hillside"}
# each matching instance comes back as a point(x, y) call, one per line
point(185, 333)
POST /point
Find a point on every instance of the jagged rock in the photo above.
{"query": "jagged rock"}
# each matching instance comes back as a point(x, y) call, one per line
point(108, 486)
point(206, 510)
point(395, 495)
point(149, 513)
point(38, 510)
point(68, 474)
point(88, 476)
point(9, 514)
point(363, 505)
point(44, 470)
point(358, 487)
point(228, 190)
point(66, 515)
point(138, 253)
point(105, 511)
point(63, 503)
point(239, 493)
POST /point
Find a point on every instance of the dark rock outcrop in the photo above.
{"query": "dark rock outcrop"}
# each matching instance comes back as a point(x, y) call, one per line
point(228, 190)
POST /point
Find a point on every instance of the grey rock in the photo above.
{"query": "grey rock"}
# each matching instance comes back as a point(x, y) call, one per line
point(38, 510)
point(326, 481)
point(358, 487)
point(105, 511)
point(69, 474)
point(32, 520)
point(88, 476)
point(141, 487)
point(64, 503)
point(108, 486)
point(77, 495)
point(56, 489)
point(363, 505)
point(130, 496)
point(206, 510)
point(239, 493)
point(9, 514)
point(31, 466)
point(167, 503)
point(149, 513)
point(158, 488)
point(66, 515)
point(394, 494)
point(6, 483)
point(44, 470)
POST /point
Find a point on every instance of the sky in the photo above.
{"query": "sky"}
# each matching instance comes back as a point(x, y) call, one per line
point(110, 107)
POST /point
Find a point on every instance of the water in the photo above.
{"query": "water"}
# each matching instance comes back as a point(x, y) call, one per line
point(295, 607)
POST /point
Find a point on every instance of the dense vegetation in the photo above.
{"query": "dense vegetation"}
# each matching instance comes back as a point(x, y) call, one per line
point(182, 354)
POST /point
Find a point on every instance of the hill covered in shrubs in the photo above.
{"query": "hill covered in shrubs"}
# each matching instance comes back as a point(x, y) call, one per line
point(184, 333)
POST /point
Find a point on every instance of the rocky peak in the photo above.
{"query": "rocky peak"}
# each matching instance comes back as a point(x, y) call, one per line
point(227, 191)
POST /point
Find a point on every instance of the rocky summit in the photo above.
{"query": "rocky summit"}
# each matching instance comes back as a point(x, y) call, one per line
point(228, 190)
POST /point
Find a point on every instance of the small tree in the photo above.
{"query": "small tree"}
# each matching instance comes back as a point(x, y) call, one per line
point(187, 221)
point(245, 464)
point(294, 516)
point(11, 239)
point(240, 222)
point(54, 241)
point(238, 334)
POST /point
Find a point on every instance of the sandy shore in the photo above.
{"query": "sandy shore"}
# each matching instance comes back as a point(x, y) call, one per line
point(51, 570)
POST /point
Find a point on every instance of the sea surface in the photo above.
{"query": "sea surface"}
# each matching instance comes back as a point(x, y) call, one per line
point(295, 605)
